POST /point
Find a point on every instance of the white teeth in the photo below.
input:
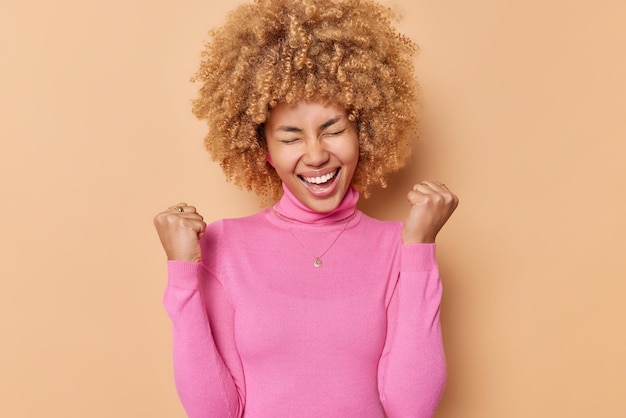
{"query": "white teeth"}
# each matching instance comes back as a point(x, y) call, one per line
point(322, 179)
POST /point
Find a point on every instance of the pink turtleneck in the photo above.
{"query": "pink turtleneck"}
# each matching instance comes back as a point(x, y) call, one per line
point(260, 332)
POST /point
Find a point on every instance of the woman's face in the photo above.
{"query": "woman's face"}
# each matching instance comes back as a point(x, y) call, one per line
point(315, 151)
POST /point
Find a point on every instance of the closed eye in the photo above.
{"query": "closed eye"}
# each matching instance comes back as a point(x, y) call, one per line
point(288, 141)
point(335, 133)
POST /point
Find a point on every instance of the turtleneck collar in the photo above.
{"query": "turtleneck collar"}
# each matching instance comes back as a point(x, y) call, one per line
point(292, 209)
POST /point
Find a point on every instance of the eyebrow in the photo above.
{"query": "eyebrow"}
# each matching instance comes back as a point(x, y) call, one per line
point(323, 126)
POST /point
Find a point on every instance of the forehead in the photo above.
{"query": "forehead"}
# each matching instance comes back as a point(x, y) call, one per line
point(304, 113)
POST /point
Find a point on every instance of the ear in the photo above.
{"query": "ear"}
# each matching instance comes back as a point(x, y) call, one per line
point(268, 157)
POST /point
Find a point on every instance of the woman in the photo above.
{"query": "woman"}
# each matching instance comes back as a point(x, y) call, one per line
point(309, 308)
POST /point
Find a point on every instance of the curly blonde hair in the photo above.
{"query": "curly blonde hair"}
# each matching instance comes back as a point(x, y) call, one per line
point(344, 52)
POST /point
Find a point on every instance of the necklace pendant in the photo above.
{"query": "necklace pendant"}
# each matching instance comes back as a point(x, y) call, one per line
point(317, 262)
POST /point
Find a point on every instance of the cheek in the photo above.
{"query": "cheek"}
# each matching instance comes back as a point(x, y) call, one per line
point(282, 161)
point(351, 153)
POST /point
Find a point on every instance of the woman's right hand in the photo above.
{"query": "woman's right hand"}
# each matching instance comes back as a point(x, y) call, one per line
point(180, 228)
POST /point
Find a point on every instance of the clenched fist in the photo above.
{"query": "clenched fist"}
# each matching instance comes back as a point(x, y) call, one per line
point(180, 228)
point(431, 206)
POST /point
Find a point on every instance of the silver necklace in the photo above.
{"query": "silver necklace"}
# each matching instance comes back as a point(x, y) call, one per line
point(317, 258)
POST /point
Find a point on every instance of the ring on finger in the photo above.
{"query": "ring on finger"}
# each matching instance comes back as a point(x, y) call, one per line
point(178, 208)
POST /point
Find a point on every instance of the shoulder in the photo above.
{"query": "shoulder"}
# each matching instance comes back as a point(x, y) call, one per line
point(380, 225)
point(247, 225)
point(223, 229)
point(227, 236)
point(389, 231)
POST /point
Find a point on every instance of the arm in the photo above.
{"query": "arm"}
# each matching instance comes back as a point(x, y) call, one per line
point(412, 371)
point(205, 384)
point(208, 373)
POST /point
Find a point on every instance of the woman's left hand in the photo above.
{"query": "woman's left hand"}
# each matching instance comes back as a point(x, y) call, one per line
point(432, 205)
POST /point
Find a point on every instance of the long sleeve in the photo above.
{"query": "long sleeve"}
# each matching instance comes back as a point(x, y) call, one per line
point(207, 372)
point(412, 371)
point(356, 337)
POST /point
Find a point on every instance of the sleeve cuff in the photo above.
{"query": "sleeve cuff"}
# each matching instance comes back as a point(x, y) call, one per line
point(183, 274)
point(418, 257)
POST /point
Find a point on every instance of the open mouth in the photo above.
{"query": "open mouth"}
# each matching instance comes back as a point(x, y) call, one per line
point(321, 181)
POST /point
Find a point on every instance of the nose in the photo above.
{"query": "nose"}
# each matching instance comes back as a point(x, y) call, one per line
point(315, 154)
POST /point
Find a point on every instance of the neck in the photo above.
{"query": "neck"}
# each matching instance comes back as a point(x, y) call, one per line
point(291, 209)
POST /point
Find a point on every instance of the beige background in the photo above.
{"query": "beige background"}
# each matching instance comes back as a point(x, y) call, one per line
point(526, 123)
